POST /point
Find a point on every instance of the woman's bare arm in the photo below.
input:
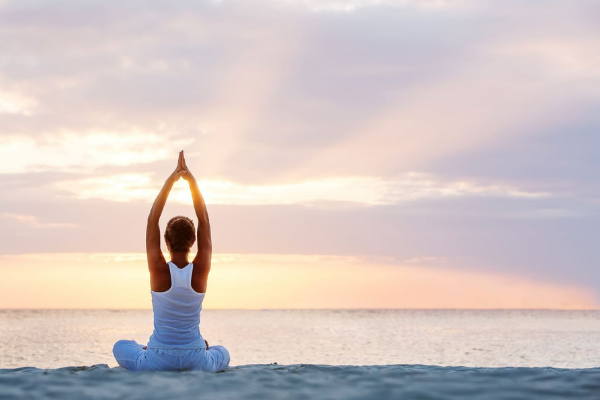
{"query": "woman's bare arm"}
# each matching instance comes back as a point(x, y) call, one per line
point(204, 240)
point(153, 251)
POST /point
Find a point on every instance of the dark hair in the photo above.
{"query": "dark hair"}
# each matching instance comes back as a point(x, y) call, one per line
point(180, 234)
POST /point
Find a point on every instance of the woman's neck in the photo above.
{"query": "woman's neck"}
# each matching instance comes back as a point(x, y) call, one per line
point(180, 259)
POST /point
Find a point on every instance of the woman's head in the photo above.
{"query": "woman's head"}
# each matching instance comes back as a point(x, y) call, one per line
point(180, 234)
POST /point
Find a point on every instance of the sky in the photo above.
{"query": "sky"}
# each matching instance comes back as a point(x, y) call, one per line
point(353, 154)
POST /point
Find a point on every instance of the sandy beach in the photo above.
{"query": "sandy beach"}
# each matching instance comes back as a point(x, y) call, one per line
point(302, 382)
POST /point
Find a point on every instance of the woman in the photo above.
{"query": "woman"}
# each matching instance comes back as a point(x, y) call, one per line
point(177, 288)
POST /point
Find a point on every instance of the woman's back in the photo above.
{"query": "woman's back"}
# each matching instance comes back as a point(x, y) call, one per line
point(177, 312)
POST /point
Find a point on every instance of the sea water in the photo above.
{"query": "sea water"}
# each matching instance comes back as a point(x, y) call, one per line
point(491, 338)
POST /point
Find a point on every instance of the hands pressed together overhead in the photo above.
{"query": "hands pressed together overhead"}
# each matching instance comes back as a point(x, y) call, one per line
point(182, 170)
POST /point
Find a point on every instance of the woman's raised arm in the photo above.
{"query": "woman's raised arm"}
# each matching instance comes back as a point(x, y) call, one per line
point(153, 251)
point(204, 240)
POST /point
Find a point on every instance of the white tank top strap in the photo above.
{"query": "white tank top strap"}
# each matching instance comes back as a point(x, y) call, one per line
point(181, 277)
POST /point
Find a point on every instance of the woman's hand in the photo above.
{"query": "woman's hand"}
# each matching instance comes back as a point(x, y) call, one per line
point(180, 170)
point(187, 175)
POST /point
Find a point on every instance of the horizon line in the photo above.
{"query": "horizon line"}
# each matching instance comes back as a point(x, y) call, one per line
point(310, 309)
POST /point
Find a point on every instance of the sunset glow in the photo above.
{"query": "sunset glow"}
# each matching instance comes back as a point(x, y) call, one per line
point(242, 281)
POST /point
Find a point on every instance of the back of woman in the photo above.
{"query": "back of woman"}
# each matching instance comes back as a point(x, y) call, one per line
point(177, 289)
point(177, 312)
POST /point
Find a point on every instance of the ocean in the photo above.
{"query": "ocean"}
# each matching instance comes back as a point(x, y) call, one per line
point(470, 338)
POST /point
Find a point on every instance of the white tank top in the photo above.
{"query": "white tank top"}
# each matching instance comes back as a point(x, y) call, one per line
point(177, 312)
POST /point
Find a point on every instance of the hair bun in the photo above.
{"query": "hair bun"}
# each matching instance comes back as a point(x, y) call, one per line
point(180, 234)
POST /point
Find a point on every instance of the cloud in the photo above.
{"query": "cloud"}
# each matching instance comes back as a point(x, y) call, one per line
point(81, 151)
point(355, 5)
point(16, 103)
point(559, 58)
point(362, 190)
point(496, 234)
point(33, 222)
point(264, 98)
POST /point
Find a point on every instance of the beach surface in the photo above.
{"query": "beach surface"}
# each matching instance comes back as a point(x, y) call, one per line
point(274, 381)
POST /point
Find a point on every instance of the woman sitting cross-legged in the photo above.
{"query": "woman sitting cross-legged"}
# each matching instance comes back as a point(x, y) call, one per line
point(177, 288)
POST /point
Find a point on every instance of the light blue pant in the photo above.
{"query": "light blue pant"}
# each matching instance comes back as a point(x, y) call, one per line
point(132, 356)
